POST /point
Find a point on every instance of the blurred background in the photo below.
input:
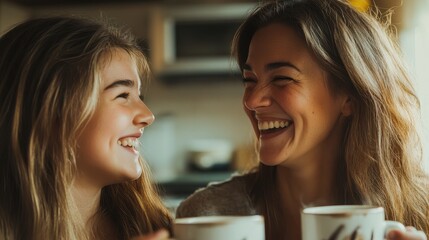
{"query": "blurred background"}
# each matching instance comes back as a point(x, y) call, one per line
point(201, 133)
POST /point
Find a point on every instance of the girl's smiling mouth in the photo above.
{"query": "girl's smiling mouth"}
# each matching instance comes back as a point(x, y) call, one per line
point(130, 143)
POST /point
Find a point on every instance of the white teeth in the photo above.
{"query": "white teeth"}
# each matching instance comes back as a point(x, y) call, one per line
point(128, 142)
point(263, 125)
point(272, 124)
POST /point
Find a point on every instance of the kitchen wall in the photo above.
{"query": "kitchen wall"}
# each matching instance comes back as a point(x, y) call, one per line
point(414, 39)
point(199, 111)
point(10, 14)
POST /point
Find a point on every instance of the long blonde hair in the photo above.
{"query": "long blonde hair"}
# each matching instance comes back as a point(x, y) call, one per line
point(49, 86)
point(381, 160)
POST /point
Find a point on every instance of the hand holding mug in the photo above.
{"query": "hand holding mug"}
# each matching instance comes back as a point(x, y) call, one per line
point(411, 233)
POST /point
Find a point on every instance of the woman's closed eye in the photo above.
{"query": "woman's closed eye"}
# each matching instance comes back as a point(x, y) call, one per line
point(282, 80)
point(248, 81)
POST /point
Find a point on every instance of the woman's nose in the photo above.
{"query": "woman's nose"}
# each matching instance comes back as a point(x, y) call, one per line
point(144, 116)
point(257, 97)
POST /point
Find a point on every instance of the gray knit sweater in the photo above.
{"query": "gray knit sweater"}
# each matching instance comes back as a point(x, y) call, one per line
point(225, 198)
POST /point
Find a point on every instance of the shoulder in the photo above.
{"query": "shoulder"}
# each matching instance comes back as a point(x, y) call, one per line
point(225, 198)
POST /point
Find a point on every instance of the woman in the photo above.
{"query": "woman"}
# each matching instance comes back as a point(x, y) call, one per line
point(334, 112)
point(70, 118)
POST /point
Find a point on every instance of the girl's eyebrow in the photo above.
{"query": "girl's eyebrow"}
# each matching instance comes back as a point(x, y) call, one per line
point(121, 82)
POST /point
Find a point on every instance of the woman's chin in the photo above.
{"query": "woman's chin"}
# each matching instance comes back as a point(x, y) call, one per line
point(270, 162)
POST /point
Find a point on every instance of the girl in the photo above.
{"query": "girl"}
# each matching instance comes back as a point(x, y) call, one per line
point(71, 115)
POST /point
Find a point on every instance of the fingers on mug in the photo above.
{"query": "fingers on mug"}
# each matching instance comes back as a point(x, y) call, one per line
point(393, 225)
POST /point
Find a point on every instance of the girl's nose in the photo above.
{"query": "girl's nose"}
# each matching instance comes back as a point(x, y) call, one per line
point(144, 117)
point(257, 97)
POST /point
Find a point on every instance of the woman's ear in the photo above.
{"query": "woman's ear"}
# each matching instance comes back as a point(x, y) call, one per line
point(347, 108)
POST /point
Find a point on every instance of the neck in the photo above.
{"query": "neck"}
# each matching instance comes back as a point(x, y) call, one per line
point(311, 186)
point(87, 201)
point(298, 189)
point(312, 182)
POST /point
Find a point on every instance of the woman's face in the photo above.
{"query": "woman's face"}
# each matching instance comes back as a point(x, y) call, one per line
point(107, 147)
point(295, 115)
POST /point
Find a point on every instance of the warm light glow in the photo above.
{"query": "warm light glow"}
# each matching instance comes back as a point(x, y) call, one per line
point(360, 5)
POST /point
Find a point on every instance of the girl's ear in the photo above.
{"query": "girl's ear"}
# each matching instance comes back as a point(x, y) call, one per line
point(347, 108)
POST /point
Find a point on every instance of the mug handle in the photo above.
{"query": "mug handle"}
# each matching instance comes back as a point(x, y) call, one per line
point(393, 225)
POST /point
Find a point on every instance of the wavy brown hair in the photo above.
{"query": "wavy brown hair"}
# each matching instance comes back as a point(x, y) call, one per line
point(49, 86)
point(382, 152)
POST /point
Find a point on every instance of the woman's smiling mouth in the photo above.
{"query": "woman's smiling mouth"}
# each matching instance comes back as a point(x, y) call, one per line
point(273, 126)
point(271, 129)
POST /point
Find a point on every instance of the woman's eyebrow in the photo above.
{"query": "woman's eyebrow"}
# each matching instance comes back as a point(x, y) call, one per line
point(121, 82)
point(273, 66)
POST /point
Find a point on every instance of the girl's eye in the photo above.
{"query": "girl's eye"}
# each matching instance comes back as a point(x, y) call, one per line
point(123, 95)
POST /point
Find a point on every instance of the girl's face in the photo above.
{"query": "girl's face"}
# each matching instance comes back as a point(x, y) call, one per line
point(287, 99)
point(107, 147)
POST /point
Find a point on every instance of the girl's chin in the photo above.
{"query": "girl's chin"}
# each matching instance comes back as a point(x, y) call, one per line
point(135, 174)
point(129, 174)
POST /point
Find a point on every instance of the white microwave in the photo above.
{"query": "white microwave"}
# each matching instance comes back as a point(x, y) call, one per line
point(194, 41)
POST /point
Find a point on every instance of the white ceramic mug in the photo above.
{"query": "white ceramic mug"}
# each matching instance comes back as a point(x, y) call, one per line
point(220, 228)
point(346, 222)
